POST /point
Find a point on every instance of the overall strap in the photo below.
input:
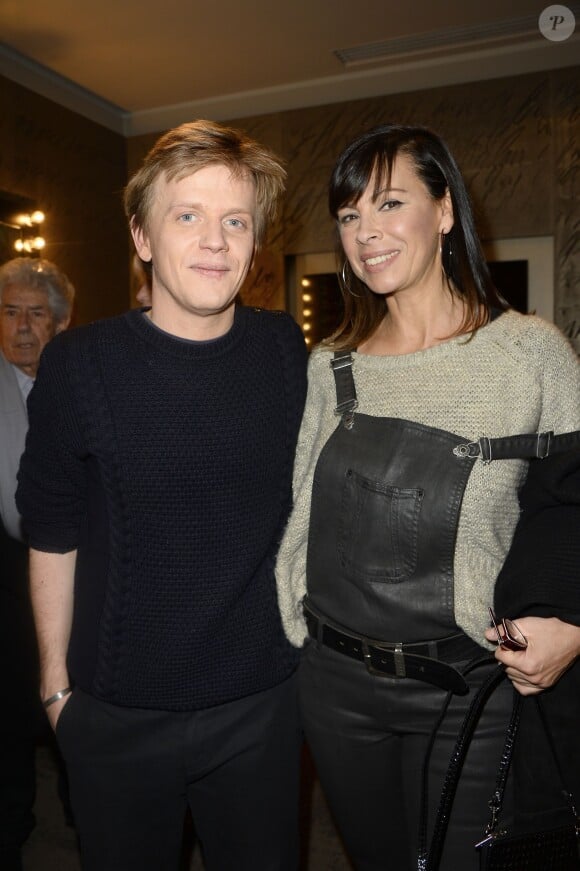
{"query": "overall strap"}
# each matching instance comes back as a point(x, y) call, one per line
point(538, 445)
point(516, 447)
point(526, 446)
point(341, 365)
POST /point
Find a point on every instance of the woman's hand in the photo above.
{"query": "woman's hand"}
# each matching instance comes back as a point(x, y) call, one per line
point(552, 648)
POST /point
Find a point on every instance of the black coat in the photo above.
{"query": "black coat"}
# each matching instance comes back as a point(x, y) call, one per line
point(541, 577)
point(541, 574)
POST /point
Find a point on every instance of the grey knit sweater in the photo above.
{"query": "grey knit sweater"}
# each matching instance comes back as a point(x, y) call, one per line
point(517, 375)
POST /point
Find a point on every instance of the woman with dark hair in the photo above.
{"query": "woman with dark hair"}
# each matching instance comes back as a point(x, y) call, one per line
point(462, 263)
point(406, 500)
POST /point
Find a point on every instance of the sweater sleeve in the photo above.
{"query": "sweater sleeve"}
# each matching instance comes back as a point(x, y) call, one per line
point(540, 575)
point(51, 492)
point(317, 425)
point(560, 374)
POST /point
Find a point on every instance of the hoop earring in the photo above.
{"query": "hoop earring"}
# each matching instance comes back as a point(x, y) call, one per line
point(342, 277)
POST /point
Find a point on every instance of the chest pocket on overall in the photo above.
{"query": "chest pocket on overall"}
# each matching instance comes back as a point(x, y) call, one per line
point(378, 529)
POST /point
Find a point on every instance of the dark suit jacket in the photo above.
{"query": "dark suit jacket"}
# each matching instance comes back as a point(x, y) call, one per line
point(13, 427)
point(18, 650)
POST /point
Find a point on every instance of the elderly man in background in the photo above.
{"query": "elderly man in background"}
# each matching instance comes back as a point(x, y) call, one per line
point(35, 303)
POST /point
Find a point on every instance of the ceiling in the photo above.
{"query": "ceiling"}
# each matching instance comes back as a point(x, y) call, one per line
point(140, 66)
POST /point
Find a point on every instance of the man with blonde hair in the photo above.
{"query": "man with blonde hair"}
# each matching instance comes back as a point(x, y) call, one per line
point(155, 492)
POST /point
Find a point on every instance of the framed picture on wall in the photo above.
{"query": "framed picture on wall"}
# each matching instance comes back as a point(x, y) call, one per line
point(522, 270)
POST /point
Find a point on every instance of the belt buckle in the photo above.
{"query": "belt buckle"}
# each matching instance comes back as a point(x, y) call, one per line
point(399, 658)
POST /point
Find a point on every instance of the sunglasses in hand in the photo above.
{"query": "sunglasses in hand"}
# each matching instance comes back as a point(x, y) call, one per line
point(509, 635)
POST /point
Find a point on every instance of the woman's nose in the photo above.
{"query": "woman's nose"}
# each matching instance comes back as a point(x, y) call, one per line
point(367, 230)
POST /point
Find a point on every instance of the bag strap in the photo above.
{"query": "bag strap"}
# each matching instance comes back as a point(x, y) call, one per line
point(424, 806)
point(496, 801)
point(429, 858)
point(430, 861)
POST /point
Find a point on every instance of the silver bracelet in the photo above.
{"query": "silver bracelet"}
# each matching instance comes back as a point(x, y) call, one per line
point(61, 694)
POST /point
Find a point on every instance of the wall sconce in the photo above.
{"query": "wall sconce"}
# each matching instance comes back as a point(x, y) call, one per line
point(22, 220)
point(306, 312)
point(29, 241)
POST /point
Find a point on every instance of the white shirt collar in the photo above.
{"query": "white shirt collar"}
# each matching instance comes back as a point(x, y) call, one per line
point(25, 382)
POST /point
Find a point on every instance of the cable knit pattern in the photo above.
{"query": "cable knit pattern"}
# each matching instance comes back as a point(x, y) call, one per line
point(167, 464)
point(517, 375)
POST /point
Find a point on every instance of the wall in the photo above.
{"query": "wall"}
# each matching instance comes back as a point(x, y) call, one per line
point(74, 170)
point(515, 139)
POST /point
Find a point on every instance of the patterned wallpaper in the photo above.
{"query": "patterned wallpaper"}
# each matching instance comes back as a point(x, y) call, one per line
point(74, 170)
point(516, 140)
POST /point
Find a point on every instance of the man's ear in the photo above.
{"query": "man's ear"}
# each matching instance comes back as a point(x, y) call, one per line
point(141, 240)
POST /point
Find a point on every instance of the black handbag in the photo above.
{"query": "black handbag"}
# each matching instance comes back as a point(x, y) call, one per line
point(556, 849)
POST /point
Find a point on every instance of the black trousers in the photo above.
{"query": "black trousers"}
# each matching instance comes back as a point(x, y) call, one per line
point(133, 772)
point(23, 719)
point(17, 789)
point(368, 736)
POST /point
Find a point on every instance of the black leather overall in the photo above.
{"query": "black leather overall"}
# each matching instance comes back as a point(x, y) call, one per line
point(386, 498)
point(385, 506)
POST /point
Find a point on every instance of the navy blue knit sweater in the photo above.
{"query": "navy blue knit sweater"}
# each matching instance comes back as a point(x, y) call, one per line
point(168, 465)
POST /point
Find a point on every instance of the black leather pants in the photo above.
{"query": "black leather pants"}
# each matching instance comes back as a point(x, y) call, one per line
point(368, 736)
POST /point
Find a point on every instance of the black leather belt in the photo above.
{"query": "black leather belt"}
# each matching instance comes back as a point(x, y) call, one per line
point(428, 661)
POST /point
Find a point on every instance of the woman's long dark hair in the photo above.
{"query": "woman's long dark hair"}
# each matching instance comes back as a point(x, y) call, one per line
point(371, 156)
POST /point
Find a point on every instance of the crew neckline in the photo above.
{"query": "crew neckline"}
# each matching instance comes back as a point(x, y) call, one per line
point(425, 355)
point(177, 346)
